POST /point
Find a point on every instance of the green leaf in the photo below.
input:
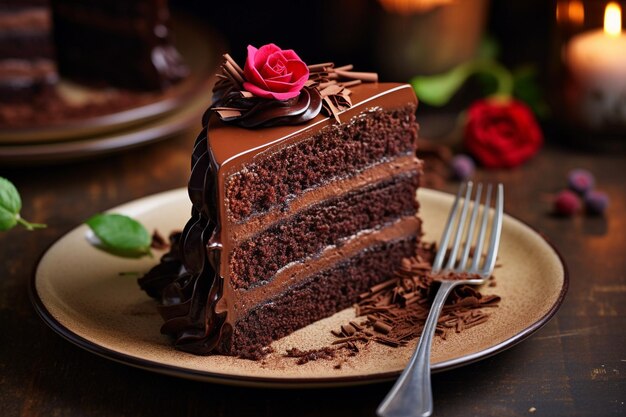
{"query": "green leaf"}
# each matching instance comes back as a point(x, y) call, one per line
point(9, 197)
point(10, 206)
point(120, 235)
point(8, 220)
point(437, 90)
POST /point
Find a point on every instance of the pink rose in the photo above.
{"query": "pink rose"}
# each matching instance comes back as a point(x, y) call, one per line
point(271, 72)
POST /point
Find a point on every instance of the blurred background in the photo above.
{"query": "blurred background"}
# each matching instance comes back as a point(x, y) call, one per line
point(82, 79)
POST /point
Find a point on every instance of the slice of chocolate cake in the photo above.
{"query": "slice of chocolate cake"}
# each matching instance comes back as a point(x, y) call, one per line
point(27, 68)
point(290, 223)
point(117, 42)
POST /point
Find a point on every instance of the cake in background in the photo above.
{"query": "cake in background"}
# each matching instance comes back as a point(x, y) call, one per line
point(27, 67)
point(116, 42)
point(121, 51)
point(303, 188)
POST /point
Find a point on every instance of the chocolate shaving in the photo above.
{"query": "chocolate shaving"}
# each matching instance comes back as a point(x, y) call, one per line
point(397, 308)
point(158, 241)
point(310, 355)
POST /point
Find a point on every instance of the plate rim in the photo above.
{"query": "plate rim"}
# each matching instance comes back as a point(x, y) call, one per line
point(153, 131)
point(290, 382)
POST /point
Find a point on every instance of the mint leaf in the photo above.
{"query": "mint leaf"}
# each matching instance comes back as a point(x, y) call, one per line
point(120, 235)
point(10, 207)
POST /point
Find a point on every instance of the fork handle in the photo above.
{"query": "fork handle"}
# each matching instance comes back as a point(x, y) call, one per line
point(412, 393)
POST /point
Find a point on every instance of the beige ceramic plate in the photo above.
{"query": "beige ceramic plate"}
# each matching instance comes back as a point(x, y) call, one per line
point(78, 292)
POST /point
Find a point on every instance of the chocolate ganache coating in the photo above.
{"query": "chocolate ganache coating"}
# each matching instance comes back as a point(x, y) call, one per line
point(187, 280)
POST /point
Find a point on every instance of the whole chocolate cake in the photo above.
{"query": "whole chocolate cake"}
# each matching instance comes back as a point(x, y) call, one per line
point(102, 42)
point(117, 42)
point(303, 188)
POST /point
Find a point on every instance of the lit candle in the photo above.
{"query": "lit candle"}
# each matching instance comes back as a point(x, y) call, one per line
point(596, 96)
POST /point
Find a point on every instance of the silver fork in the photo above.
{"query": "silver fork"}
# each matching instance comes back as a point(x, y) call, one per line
point(412, 394)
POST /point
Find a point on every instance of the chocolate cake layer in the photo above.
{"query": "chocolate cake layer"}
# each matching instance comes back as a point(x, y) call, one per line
point(255, 260)
point(323, 294)
point(335, 152)
point(403, 228)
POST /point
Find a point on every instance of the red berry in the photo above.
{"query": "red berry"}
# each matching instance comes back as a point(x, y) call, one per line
point(580, 180)
point(567, 203)
point(463, 167)
point(596, 202)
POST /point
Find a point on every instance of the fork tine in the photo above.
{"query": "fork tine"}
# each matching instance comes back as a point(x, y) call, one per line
point(460, 227)
point(445, 237)
point(496, 230)
point(481, 234)
point(471, 229)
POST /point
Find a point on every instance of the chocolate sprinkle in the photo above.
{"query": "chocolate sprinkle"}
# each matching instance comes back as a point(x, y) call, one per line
point(397, 309)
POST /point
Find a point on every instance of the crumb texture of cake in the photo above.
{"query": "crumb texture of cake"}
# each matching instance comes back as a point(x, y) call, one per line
point(291, 223)
point(257, 259)
point(335, 152)
point(323, 294)
point(27, 66)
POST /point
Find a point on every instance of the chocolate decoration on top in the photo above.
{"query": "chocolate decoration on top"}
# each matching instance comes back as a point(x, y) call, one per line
point(327, 91)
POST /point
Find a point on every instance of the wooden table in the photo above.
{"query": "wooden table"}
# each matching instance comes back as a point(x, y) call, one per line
point(574, 366)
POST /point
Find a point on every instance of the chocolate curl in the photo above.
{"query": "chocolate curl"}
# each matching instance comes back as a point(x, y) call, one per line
point(370, 77)
point(334, 84)
point(227, 112)
point(396, 309)
point(233, 63)
point(321, 67)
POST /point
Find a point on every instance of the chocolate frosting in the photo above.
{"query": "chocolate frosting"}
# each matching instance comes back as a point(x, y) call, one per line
point(260, 112)
point(186, 280)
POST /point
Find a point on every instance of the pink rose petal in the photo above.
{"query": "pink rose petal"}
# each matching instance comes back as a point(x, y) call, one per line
point(273, 73)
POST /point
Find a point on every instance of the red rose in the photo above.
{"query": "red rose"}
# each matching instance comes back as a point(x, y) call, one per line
point(501, 134)
point(273, 73)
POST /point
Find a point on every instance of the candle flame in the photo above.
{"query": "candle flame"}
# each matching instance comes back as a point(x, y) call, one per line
point(570, 12)
point(576, 12)
point(612, 19)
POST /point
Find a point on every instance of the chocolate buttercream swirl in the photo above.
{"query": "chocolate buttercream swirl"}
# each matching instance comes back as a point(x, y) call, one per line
point(326, 91)
point(187, 281)
point(251, 112)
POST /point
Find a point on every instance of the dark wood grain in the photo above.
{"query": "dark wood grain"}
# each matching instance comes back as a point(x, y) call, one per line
point(575, 366)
